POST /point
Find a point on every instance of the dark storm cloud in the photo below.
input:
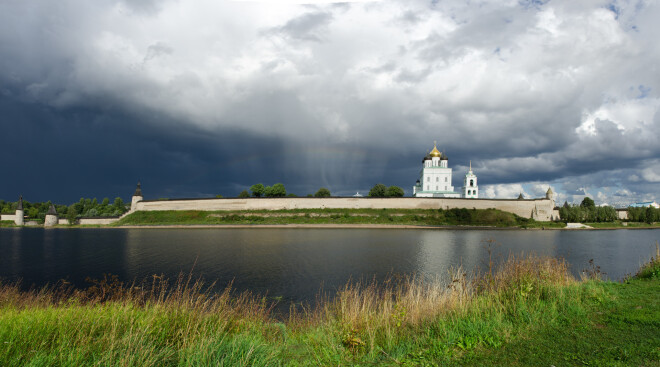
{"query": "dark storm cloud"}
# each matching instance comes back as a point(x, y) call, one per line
point(197, 99)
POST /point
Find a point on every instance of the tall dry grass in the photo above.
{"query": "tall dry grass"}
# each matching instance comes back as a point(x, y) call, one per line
point(160, 321)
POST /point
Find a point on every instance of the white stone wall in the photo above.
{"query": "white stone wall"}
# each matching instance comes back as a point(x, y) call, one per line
point(63, 221)
point(539, 209)
point(10, 217)
point(93, 221)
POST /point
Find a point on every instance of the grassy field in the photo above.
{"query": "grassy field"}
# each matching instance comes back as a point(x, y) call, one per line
point(529, 311)
point(452, 217)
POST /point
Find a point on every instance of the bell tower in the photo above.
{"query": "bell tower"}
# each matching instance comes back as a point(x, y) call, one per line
point(470, 187)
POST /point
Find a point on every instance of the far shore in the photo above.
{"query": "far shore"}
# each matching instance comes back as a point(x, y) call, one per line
point(346, 226)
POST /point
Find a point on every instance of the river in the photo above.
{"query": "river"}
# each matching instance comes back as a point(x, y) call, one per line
point(295, 264)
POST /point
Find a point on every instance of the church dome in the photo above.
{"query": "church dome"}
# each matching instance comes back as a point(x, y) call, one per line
point(435, 152)
point(444, 157)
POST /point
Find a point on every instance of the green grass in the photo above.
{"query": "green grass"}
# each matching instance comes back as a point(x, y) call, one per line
point(7, 223)
point(527, 312)
point(452, 217)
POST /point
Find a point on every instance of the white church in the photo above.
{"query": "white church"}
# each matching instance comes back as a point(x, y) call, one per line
point(435, 179)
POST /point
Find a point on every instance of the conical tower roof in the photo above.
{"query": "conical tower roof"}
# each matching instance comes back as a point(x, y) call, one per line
point(138, 190)
point(20, 203)
point(51, 210)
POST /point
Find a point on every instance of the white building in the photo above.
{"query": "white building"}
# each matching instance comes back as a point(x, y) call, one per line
point(435, 177)
point(470, 187)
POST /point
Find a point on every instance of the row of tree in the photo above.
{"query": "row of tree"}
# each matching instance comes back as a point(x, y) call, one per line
point(82, 208)
point(278, 190)
point(587, 211)
point(648, 214)
point(382, 191)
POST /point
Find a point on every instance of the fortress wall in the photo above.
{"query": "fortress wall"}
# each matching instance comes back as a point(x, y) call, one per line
point(539, 209)
point(10, 217)
point(97, 220)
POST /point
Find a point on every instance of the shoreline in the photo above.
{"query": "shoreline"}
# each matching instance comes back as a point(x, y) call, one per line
point(339, 226)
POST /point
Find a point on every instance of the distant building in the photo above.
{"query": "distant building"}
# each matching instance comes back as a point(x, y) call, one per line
point(435, 178)
point(357, 195)
point(645, 205)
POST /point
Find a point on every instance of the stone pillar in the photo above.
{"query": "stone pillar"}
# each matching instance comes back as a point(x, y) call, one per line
point(51, 217)
point(18, 219)
point(137, 197)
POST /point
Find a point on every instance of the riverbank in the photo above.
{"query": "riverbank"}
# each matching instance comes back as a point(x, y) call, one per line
point(529, 311)
point(336, 217)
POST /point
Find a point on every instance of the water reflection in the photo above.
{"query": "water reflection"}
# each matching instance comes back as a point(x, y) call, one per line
point(295, 263)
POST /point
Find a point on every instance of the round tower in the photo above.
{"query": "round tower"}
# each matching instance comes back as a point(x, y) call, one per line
point(18, 219)
point(51, 217)
point(137, 197)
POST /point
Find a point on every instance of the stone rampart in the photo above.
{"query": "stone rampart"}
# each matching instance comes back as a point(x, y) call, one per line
point(539, 209)
point(10, 217)
point(83, 221)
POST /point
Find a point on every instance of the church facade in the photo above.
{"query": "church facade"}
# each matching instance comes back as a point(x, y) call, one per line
point(435, 178)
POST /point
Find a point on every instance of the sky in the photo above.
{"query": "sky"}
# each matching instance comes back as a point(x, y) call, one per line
point(207, 97)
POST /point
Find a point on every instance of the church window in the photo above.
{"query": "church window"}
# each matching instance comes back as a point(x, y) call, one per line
point(445, 179)
point(471, 182)
point(436, 179)
point(428, 179)
point(469, 193)
point(436, 187)
point(445, 188)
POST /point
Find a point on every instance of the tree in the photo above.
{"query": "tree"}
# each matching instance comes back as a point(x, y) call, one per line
point(292, 195)
point(588, 203)
point(323, 193)
point(118, 203)
point(71, 214)
point(244, 194)
point(257, 190)
point(394, 191)
point(275, 191)
point(218, 196)
point(378, 191)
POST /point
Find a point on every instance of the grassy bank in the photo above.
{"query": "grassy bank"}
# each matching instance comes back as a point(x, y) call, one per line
point(451, 217)
point(529, 311)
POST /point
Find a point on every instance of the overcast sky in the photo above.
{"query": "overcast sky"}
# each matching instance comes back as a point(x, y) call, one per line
point(206, 97)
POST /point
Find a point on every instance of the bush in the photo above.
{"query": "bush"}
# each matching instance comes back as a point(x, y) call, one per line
point(378, 191)
point(244, 194)
point(394, 191)
point(322, 193)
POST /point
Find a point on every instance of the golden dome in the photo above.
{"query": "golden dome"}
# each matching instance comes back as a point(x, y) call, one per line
point(435, 152)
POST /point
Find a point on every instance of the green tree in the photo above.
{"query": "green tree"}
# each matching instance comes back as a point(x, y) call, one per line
point(244, 194)
point(588, 203)
point(257, 190)
point(275, 191)
point(218, 196)
point(394, 191)
point(378, 191)
point(71, 214)
point(323, 193)
point(118, 203)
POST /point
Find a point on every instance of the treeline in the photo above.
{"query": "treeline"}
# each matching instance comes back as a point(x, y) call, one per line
point(587, 211)
point(82, 208)
point(278, 190)
point(647, 215)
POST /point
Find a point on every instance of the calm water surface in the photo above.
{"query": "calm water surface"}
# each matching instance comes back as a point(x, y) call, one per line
point(295, 263)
